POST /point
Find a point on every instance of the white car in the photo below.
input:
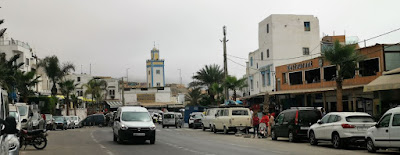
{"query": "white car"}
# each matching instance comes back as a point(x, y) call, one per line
point(232, 119)
point(195, 119)
point(25, 111)
point(208, 118)
point(341, 128)
point(386, 133)
point(14, 113)
point(133, 123)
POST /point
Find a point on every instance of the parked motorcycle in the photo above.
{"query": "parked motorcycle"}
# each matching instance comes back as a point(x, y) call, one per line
point(37, 138)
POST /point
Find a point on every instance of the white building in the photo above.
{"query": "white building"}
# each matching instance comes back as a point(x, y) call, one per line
point(155, 70)
point(282, 39)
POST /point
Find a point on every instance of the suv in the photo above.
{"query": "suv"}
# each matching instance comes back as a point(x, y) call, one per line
point(195, 119)
point(341, 128)
point(208, 118)
point(294, 123)
point(386, 133)
point(133, 123)
point(95, 119)
point(232, 119)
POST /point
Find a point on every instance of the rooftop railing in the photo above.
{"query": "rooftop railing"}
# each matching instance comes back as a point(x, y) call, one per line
point(14, 42)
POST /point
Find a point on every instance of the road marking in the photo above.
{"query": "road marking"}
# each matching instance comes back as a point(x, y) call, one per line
point(101, 146)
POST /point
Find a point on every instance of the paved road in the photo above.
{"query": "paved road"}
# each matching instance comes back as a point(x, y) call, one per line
point(94, 140)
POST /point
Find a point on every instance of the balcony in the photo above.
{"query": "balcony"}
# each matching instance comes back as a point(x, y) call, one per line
point(14, 43)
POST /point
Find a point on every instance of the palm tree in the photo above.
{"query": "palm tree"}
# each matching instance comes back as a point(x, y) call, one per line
point(95, 88)
point(55, 71)
point(74, 100)
point(24, 83)
point(194, 96)
point(8, 70)
point(232, 83)
point(66, 88)
point(218, 89)
point(207, 76)
point(345, 58)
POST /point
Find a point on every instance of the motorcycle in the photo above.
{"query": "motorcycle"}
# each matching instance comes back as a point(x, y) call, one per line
point(37, 138)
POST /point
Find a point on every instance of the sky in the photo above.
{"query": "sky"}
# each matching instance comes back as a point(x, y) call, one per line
point(115, 35)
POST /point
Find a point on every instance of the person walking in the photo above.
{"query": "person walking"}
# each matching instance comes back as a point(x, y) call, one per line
point(256, 122)
point(271, 122)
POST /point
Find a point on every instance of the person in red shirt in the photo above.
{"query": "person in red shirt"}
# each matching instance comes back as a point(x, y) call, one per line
point(256, 122)
point(265, 119)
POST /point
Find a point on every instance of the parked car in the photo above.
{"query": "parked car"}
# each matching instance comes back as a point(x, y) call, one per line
point(61, 122)
point(93, 120)
point(208, 119)
point(25, 111)
point(179, 120)
point(133, 123)
point(341, 128)
point(294, 123)
point(232, 119)
point(386, 133)
point(75, 120)
point(37, 121)
point(70, 122)
point(168, 119)
point(50, 124)
point(13, 111)
point(195, 119)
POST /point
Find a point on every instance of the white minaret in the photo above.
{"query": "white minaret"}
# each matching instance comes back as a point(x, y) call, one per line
point(155, 70)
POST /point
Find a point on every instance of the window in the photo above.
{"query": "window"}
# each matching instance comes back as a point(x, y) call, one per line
point(262, 56)
point(257, 65)
point(284, 78)
point(240, 112)
point(267, 53)
point(157, 71)
point(369, 67)
point(361, 119)
point(306, 51)
point(158, 84)
point(325, 118)
point(332, 119)
point(396, 120)
point(269, 78)
point(263, 78)
point(296, 78)
point(267, 28)
point(149, 72)
point(307, 26)
point(385, 121)
point(110, 92)
point(313, 76)
point(280, 119)
point(27, 61)
point(251, 61)
point(392, 60)
point(330, 73)
point(78, 79)
point(251, 84)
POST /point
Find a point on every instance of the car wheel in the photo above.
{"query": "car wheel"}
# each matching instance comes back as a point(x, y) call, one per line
point(336, 141)
point(214, 129)
point(273, 135)
point(312, 139)
point(153, 140)
point(370, 146)
point(291, 137)
point(225, 130)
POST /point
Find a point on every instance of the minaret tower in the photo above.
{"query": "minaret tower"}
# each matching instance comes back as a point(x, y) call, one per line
point(155, 70)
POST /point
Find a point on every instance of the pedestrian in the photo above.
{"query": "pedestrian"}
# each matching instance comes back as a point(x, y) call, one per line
point(271, 122)
point(256, 122)
point(323, 112)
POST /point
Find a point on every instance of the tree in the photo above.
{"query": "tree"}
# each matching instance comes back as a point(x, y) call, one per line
point(66, 88)
point(74, 100)
point(95, 87)
point(3, 30)
point(55, 71)
point(194, 96)
point(232, 83)
point(345, 58)
point(207, 76)
point(218, 89)
point(24, 83)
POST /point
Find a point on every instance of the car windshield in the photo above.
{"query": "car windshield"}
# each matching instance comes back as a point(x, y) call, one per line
point(136, 116)
point(23, 110)
point(13, 114)
point(168, 115)
point(359, 119)
point(58, 118)
point(240, 112)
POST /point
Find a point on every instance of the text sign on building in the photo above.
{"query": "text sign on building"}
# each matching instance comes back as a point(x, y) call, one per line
point(146, 98)
point(299, 66)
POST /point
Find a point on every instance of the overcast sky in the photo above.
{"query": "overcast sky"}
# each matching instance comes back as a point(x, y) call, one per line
point(119, 34)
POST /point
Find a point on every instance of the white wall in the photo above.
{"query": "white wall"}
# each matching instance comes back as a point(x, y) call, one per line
point(80, 112)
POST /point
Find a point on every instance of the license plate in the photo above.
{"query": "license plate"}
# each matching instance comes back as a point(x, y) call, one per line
point(362, 128)
point(304, 128)
point(139, 134)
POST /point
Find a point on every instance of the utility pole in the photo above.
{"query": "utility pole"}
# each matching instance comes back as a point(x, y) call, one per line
point(225, 65)
point(123, 95)
point(180, 76)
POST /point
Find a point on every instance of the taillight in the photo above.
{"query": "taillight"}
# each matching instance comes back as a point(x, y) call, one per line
point(347, 126)
point(296, 120)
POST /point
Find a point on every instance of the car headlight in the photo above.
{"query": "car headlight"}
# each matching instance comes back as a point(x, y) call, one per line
point(153, 128)
point(13, 143)
point(123, 127)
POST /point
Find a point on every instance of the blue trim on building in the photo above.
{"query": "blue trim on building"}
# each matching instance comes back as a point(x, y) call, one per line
point(152, 75)
point(155, 65)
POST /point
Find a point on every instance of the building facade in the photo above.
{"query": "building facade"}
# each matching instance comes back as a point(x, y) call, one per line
point(155, 70)
point(282, 39)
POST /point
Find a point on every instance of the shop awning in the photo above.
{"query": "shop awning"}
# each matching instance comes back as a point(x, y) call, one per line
point(252, 96)
point(315, 90)
point(157, 104)
point(114, 104)
point(388, 81)
point(85, 99)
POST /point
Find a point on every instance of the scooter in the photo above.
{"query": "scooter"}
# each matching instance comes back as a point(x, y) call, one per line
point(37, 138)
point(262, 128)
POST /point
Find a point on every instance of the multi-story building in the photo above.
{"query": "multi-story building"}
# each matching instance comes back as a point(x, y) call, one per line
point(282, 39)
point(155, 70)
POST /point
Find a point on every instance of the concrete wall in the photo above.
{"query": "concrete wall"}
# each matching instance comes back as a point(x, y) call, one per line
point(80, 112)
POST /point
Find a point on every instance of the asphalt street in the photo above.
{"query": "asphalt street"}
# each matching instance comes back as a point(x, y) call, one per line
point(181, 141)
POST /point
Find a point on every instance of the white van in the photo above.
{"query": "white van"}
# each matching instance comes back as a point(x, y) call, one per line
point(14, 113)
point(232, 119)
point(133, 123)
point(386, 133)
point(25, 111)
point(209, 118)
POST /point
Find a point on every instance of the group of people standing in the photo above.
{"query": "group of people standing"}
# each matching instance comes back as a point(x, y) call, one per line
point(268, 119)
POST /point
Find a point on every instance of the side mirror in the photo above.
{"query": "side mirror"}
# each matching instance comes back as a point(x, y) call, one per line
point(319, 122)
point(377, 125)
point(117, 119)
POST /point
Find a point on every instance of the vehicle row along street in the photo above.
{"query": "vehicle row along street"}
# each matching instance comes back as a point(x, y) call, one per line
point(181, 141)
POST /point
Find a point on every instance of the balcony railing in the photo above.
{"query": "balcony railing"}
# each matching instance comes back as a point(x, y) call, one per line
point(14, 42)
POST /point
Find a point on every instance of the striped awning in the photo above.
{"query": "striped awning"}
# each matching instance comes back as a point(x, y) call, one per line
point(114, 104)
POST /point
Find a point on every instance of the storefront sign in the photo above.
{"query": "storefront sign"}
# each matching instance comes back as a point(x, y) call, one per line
point(299, 66)
point(146, 98)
